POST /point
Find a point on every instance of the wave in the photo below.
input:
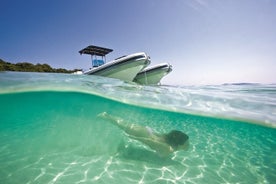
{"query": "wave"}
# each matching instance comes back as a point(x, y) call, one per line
point(254, 103)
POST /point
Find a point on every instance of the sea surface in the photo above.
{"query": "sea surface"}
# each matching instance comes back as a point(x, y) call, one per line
point(50, 131)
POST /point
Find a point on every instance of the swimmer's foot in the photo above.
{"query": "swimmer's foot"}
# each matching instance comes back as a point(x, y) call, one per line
point(113, 119)
point(103, 115)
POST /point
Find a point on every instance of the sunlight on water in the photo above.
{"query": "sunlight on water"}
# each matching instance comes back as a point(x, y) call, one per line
point(48, 140)
point(56, 137)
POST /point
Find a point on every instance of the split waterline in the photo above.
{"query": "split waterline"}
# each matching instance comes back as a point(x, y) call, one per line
point(50, 132)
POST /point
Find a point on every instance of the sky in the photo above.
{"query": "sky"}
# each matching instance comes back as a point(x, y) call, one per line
point(206, 41)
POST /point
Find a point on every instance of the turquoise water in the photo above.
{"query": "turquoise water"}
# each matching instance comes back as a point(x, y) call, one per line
point(50, 132)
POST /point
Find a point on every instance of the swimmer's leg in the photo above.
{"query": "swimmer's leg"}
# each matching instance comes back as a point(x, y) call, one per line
point(115, 120)
point(131, 129)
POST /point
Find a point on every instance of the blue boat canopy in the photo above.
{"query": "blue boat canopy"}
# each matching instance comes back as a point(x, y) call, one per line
point(95, 51)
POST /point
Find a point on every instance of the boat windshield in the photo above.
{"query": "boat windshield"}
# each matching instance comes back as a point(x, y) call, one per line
point(97, 62)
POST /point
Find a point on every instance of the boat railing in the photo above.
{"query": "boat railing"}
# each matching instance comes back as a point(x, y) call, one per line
point(120, 57)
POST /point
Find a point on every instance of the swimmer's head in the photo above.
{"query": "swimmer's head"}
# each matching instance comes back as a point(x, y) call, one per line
point(177, 139)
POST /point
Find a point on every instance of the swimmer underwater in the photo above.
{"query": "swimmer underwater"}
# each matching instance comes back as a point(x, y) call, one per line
point(163, 144)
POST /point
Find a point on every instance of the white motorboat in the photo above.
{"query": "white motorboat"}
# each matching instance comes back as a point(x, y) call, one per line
point(153, 75)
point(124, 68)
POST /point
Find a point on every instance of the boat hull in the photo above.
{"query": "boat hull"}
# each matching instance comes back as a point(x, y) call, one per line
point(124, 68)
point(153, 75)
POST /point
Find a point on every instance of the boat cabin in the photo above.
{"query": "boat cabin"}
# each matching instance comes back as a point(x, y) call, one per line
point(97, 54)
